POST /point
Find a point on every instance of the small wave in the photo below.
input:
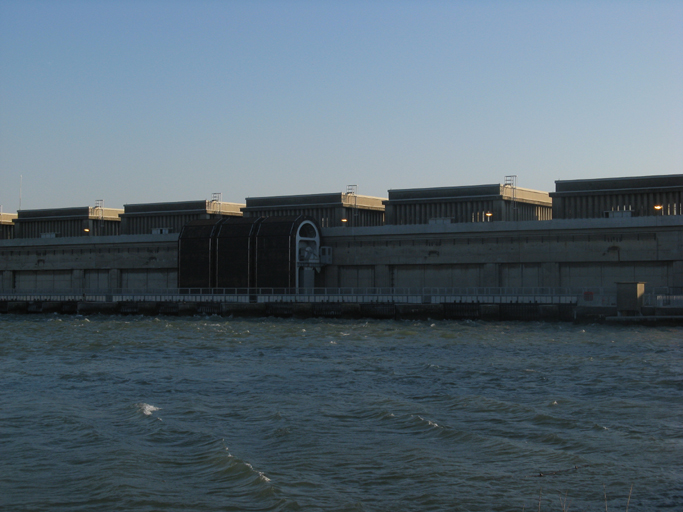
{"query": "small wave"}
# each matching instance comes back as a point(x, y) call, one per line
point(260, 474)
point(431, 424)
point(147, 409)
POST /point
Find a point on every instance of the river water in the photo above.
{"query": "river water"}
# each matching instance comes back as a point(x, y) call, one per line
point(210, 413)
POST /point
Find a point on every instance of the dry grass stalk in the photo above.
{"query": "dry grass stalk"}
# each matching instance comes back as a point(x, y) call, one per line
point(540, 492)
point(563, 502)
point(565, 506)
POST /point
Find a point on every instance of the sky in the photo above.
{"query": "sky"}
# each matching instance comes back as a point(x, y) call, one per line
point(152, 101)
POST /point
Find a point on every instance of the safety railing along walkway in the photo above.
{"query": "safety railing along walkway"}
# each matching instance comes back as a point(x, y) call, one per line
point(431, 295)
point(663, 301)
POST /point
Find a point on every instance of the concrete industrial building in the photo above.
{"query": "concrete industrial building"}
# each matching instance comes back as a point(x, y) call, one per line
point(84, 221)
point(7, 225)
point(590, 253)
point(164, 218)
point(478, 203)
point(618, 197)
point(328, 210)
point(595, 253)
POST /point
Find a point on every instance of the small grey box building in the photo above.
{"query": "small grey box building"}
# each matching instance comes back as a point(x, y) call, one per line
point(328, 210)
point(477, 203)
point(165, 218)
point(67, 222)
point(618, 197)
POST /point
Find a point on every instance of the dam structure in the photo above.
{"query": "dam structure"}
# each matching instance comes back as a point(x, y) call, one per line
point(602, 248)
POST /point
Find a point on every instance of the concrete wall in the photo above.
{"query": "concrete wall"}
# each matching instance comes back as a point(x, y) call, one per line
point(6, 231)
point(568, 253)
point(591, 253)
point(129, 262)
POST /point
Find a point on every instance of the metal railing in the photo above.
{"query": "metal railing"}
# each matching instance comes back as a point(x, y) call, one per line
point(430, 295)
point(663, 301)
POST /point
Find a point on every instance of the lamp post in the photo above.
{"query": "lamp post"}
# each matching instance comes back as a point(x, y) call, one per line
point(659, 209)
point(488, 216)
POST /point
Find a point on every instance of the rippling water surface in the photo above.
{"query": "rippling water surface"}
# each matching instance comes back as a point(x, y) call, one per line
point(199, 414)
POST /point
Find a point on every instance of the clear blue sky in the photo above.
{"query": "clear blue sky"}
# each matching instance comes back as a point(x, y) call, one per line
point(148, 101)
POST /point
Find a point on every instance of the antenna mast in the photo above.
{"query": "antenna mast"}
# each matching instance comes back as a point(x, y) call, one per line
point(511, 182)
point(352, 190)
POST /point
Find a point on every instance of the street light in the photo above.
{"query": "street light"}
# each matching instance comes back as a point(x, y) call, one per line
point(488, 216)
point(659, 208)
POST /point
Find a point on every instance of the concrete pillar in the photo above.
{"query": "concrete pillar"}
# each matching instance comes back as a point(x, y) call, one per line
point(383, 276)
point(7, 282)
point(676, 280)
point(490, 275)
point(603, 205)
point(572, 207)
point(557, 208)
point(550, 274)
point(77, 279)
point(114, 278)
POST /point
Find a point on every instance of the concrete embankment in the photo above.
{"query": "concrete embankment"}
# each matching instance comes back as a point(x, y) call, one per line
point(447, 311)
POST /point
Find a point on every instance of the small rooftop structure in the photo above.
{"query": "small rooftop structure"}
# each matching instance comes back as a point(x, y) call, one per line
point(7, 225)
point(67, 222)
point(476, 203)
point(618, 197)
point(163, 218)
point(328, 210)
